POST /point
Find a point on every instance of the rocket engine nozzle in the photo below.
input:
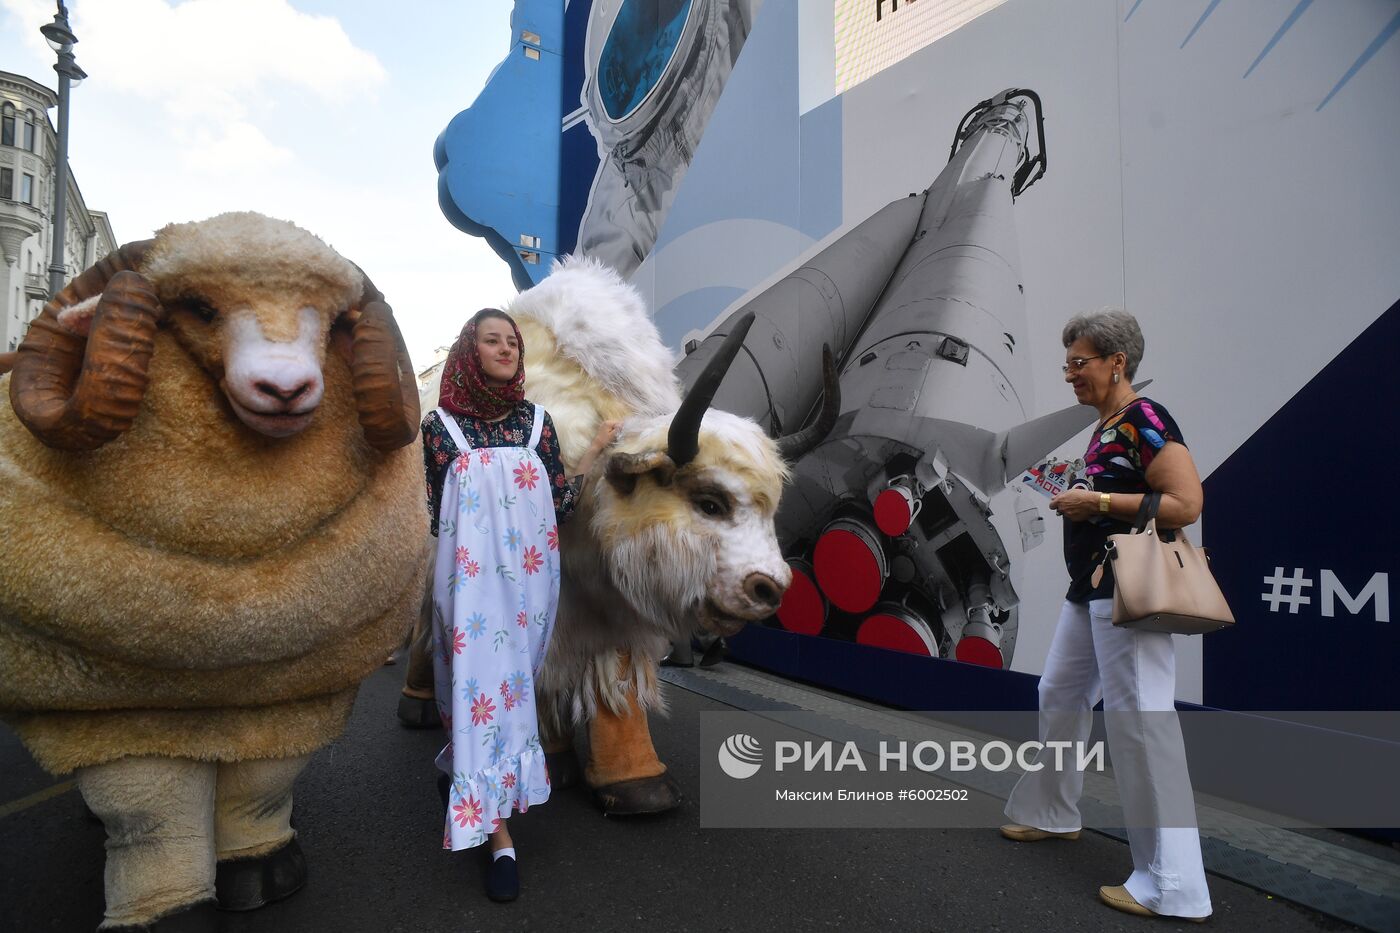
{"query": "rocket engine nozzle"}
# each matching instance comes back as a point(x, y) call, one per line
point(850, 563)
point(980, 642)
point(803, 609)
point(898, 628)
point(897, 506)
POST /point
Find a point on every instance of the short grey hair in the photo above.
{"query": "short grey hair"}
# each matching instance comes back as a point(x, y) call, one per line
point(1110, 330)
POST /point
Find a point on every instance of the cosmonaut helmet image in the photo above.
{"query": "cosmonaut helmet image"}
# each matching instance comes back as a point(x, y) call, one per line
point(654, 70)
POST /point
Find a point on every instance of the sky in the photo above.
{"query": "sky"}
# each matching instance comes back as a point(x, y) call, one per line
point(321, 112)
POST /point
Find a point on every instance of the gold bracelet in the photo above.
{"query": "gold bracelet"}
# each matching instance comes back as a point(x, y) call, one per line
point(1103, 503)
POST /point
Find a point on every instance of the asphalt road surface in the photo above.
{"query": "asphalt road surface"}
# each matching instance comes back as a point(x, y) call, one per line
point(370, 824)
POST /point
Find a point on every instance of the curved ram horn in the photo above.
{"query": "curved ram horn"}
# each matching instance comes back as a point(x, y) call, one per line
point(77, 393)
point(386, 390)
point(683, 440)
point(794, 446)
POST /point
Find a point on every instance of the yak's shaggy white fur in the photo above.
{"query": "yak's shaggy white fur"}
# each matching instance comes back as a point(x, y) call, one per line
point(638, 569)
point(601, 323)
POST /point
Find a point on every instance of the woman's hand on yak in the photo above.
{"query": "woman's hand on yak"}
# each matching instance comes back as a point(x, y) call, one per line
point(607, 433)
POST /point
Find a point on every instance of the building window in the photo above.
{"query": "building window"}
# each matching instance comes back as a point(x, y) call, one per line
point(29, 125)
point(7, 183)
point(7, 124)
point(26, 188)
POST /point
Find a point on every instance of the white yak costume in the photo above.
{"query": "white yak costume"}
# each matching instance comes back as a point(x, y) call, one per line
point(673, 527)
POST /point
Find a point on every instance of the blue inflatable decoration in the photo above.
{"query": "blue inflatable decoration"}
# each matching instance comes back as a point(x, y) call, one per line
point(492, 155)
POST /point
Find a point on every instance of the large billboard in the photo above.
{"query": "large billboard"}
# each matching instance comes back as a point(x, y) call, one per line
point(871, 36)
point(934, 187)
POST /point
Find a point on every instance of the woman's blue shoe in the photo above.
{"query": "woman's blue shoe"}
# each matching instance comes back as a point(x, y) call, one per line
point(502, 880)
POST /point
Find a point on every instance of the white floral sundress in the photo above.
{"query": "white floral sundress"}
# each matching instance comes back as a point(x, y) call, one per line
point(496, 589)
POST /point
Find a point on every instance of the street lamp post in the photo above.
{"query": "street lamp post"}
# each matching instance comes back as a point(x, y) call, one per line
point(61, 40)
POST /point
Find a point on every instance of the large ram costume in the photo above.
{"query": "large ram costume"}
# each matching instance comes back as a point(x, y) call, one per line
point(673, 531)
point(211, 529)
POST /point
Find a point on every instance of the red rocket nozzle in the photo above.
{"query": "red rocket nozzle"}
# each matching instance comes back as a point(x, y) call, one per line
point(898, 630)
point(894, 510)
point(802, 610)
point(850, 565)
point(976, 650)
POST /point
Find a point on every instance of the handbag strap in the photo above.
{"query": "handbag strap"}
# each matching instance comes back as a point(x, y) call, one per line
point(1146, 515)
point(1147, 511)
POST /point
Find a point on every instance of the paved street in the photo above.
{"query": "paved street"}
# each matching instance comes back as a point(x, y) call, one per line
point(368, 817)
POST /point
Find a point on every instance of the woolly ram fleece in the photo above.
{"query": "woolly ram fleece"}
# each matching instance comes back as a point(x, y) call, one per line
point(193, 589)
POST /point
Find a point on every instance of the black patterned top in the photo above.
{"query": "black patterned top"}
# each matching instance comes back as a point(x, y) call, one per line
point(511, 431)
point(1122, 448)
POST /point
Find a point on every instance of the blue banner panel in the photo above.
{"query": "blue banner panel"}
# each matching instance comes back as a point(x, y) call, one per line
point(1314, 625)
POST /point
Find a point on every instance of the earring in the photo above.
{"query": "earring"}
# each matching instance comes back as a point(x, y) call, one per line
point(1115, 378)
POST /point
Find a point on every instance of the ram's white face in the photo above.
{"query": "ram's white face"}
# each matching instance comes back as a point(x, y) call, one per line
point(271, 358)
point(253, 300)
point(274, 382)
point(257, 303)
point(696, 544)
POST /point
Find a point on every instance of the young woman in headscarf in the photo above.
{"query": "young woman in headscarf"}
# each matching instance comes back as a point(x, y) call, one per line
point(496, 493)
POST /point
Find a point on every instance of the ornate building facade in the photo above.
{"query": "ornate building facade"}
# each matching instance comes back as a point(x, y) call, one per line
point(28, 150)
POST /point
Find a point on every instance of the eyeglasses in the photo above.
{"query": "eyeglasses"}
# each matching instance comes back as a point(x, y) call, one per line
point(1077, 363)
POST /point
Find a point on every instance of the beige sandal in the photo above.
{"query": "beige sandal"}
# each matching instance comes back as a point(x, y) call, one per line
point(1018, 833)
point(1118, 898)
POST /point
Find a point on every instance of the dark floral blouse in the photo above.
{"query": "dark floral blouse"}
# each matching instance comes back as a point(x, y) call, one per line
point(1122, 448)
point(511, 431)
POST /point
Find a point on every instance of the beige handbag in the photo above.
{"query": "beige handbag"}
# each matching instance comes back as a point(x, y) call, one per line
point(1160, 582)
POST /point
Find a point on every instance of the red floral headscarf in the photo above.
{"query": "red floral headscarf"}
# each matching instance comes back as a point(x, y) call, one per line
point(464, 387)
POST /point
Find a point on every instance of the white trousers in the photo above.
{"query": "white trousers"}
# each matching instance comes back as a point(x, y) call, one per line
point(1131, 671)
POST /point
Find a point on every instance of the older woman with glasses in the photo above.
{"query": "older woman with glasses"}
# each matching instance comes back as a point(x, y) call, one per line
point(1136, 449)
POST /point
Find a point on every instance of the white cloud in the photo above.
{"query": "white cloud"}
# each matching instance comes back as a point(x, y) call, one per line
point(28, 16)
point(193, 103)
point(159, 49)
point(215, 67)
point(230, 148)
point(269, 109)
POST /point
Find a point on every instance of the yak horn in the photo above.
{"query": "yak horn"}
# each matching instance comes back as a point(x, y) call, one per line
point(683, 440)
point(78, 393)
point(386, 390)
point(794, 446)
